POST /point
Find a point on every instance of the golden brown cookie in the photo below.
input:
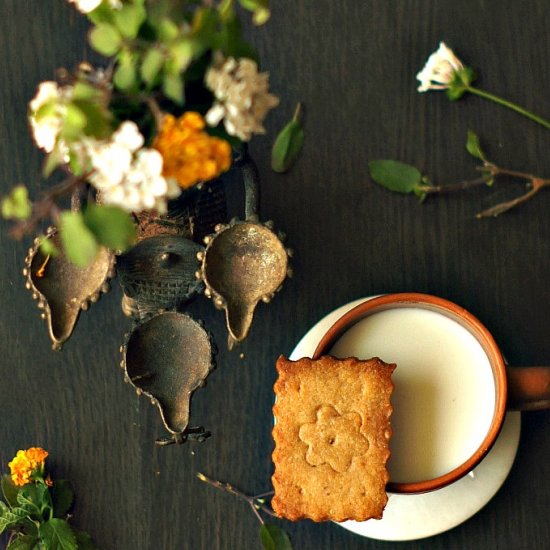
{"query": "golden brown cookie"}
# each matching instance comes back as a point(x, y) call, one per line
point(331, 433)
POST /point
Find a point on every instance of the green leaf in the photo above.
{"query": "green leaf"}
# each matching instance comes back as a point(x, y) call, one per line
point(105, 39)
point(129, 19)
point(56, 534)
point(473, 146)
point(98, 119)
point(32, 497)
point(394, 175)
point(17, 204)
point(182, 53)
point(11, 518)
point(83, 91)
point(9, 490)
point(84, 541)
point(102, 14)
point(62, 498)
point(125, 76)
point(46, 110)
point(274, 538)
point(226, 10)
point(79, 242)
point(167, 30)
point(460, 83)
point(288, 144)
point(151, 66)
point(74, 123)
point(112, 226)
point(23, 542)
point(260, 8)
point(47, 247)
point(232, 44)
point(172, 86)
point(53, 160)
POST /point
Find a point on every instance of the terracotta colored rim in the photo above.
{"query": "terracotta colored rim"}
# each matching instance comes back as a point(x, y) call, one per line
point(475, 327)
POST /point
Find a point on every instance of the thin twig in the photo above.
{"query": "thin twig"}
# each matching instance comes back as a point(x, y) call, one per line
point(452, 187)
point(490, 171)
point(498, 209)
point(46, 206)
point(262, 495)
point(250, 500)
point(154, 107)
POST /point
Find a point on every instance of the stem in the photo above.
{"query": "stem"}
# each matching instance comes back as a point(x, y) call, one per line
point(251, 501)
point(297, 112)
point(510, 105)
point(494, 211)
point(154, 107)
point(262, 495)
point(488, 168)
point(46, 205)
point(449, 188)
point(496, 171)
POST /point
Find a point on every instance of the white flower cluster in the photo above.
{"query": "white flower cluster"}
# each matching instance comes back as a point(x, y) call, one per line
point(128, 175)
point(439, 70)
point(86, 6)
point(242, 96)
point(124, 172)
point(46, 129)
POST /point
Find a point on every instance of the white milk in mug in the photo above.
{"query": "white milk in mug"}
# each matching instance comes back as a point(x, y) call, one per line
point(444, 396)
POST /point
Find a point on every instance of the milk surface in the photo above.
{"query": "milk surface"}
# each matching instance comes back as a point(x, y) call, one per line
point(444, 396)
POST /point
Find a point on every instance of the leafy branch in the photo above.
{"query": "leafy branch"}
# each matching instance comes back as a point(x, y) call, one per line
point(35, 509)
point(405, 178)
point(272, 536)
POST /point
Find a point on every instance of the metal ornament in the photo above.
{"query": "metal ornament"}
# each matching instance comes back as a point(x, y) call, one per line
point(244, 263)
point(158, 273)
point(167, 358)
point(61, 289)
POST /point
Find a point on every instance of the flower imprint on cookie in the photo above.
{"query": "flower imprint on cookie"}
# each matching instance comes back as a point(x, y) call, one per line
point(333, 438)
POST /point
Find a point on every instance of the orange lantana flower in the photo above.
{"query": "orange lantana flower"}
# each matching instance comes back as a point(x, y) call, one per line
point(26, 463)
point(190, 155)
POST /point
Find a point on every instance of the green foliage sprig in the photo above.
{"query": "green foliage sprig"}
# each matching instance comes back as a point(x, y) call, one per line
point(405, 178)
point(35, 509)
point(444, 71)
point(272, 536)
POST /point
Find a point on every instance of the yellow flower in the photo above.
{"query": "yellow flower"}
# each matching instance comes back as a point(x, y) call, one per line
point(190, 155)
point(26, 463)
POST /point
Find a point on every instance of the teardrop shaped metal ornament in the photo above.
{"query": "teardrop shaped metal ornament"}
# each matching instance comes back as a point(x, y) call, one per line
point(62, 290)
point(244, 263)
point(158, 273)
point(167, 358)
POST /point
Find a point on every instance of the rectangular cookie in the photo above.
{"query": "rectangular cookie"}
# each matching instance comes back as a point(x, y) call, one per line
point(332, 431)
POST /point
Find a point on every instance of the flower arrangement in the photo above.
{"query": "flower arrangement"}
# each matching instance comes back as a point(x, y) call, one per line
point(36, 507)
point(181, 90)
point(444, 71)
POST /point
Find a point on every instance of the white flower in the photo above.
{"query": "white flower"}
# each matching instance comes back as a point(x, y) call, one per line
point(111, 162)
point(47, 126)
point(127, 175)
point(86, 6)
point(242, 96)
point(129, 136)
point(440, 69)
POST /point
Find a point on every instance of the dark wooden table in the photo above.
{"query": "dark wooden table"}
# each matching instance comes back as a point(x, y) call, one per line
point(353, 64)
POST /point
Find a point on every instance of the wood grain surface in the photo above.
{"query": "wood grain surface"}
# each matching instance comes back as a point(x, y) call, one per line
point(352, 63)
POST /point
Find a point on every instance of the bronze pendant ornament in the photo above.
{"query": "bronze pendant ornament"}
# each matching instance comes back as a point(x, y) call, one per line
point(61, 289)
point(166, 358)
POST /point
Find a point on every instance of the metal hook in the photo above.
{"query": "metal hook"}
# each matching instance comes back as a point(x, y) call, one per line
point(197, 434)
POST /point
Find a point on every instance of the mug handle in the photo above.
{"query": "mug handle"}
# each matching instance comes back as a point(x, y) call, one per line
point(528, 388)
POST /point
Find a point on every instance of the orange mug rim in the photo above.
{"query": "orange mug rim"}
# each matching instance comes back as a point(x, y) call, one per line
point(466, 320)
